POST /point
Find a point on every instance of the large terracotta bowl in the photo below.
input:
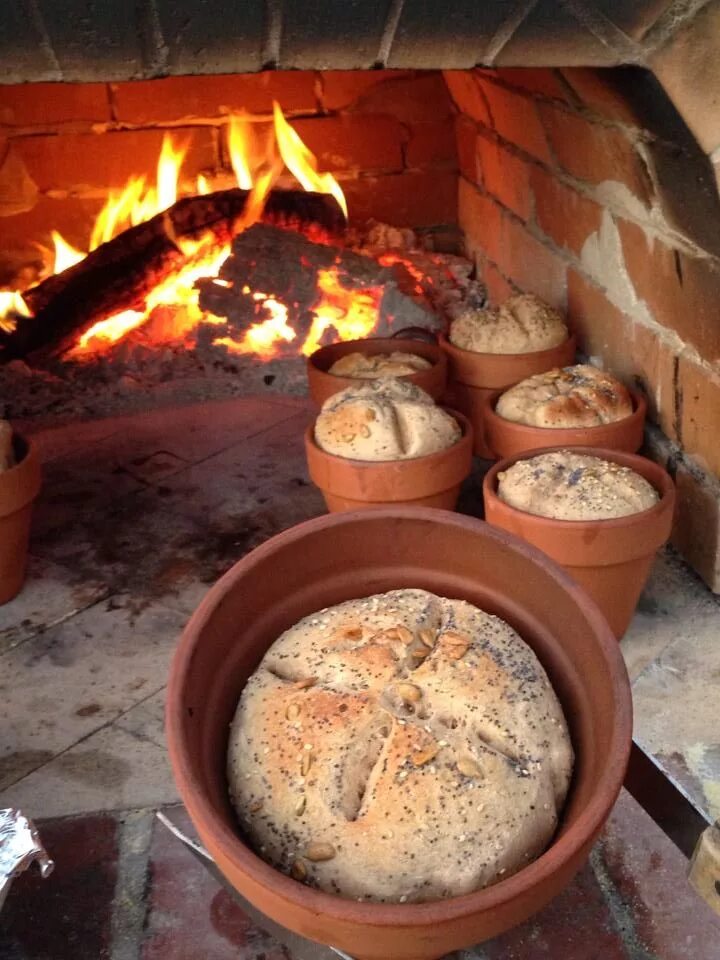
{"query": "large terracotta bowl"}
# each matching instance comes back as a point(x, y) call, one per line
point(506, 438)
point(334, 558)
point(430, 481)
point(323, 384)
point(472, 377)
point(611, 559)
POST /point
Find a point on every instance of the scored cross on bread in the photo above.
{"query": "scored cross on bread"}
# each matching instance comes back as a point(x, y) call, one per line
point(402, 747)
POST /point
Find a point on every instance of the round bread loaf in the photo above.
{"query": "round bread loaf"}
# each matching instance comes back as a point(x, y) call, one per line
point(402, 747)
point(523, 324)
point(579, 396)
point(386, 419)
point(573, 486)
point(362, 366)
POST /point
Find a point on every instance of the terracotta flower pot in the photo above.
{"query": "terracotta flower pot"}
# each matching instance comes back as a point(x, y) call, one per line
point(18, 488)
point(323, 384)
point(432, 481)
point(508, 439)
point(474, 376)
point(611, 559)
point(337, 557)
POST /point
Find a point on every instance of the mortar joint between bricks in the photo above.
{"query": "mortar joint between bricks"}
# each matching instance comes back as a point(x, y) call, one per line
point(130, 902)
point(622, 915)
point(319, 92)
point(654, 223)
point(577, 107)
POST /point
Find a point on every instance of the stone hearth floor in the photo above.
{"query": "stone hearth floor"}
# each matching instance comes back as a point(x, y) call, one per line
point(138, 516)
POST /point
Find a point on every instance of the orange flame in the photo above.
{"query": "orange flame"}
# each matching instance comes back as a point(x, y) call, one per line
point(262, 337)
point(239, 140)
point(353, 313)
point(11, 305)
point(66, 256)
point(171, 310)
point(302, 163)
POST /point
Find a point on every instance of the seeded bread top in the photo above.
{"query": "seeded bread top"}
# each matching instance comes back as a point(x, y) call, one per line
point(386, 419)
point(401, 747)
point(7, 455)
point(523, 324)
point(362, 366)
point(573, 486)
point(578, 396)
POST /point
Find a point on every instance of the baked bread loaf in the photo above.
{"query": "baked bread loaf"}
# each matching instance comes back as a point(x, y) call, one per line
point(386, 419)
point(7, 454)
point(402, 747)
point(362, 366)
point(573, 486)
point(523, 324)
point(579, 396)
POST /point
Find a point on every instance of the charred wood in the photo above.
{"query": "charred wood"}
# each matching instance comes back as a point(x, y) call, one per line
point(119, 274)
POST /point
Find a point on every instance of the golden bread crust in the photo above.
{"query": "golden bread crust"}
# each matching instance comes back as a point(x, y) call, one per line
point(399, 747)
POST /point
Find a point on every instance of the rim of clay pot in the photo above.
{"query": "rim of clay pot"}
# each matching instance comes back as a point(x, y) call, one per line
point(21, 483)
point(576, 548)
point(476, 369)
point(393, 915)
point(563, 436)
point(441, 470)
point(324, 384)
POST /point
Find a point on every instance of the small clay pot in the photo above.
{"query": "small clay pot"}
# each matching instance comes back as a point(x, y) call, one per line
point(323, 384)
point(18, 488)
point(431, 481)
point(506, 438)
point(611, 559)
point(474, 376)
point(341, 556)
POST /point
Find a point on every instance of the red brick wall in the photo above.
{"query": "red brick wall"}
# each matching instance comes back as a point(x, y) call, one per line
point(387, 135)
point(601, 202)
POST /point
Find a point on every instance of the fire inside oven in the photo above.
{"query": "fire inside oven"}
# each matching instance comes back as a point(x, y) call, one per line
point(251, 270)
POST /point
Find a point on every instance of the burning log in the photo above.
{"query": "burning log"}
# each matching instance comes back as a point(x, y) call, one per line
point(312, 291)
point(119, 274)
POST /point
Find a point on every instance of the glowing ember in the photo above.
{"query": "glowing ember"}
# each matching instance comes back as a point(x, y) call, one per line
point(109, 331)
point(262, 337)
point(170, 312)
point(353, 313)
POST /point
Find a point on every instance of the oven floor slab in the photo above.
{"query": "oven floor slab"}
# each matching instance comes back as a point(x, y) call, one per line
point(124, 888)
point(139, 515)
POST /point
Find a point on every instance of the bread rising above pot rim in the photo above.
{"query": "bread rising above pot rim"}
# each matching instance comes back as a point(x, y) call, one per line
point(343, 734)
point(660, 480)
point(462, 421)
point(636, 397)
point(450, 347)
point(508, 439)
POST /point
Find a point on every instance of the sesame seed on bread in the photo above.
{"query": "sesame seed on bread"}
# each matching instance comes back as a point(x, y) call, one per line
point(401, 747)
point(523, 324)
point(382, 420)
point(566, 485)
point(362, 366)
point(577, 396)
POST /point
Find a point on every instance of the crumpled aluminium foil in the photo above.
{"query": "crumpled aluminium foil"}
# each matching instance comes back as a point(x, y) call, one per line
point(20, 846)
